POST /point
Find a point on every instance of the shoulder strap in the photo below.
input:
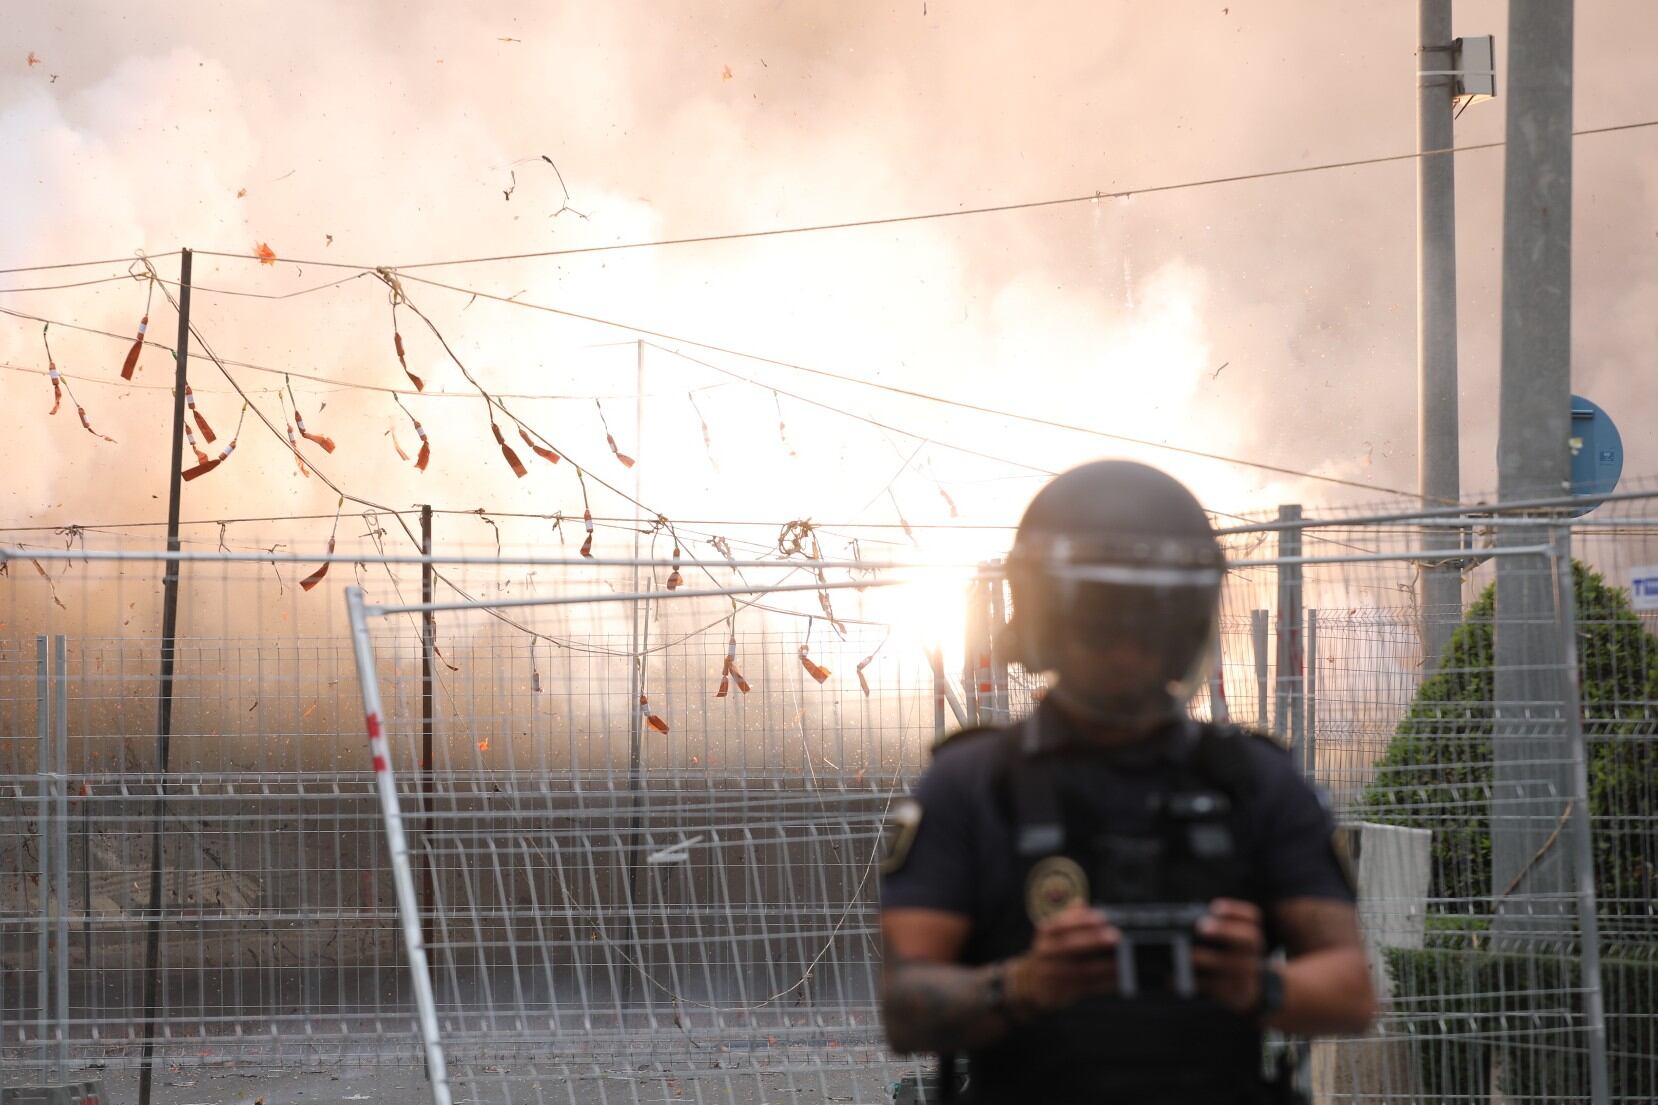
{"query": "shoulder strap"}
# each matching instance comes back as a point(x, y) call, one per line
point(1038, 828)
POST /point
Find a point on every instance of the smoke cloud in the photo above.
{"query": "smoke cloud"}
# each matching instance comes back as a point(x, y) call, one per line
point(390, 133)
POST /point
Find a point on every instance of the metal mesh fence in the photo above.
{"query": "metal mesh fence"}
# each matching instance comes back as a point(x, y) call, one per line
point(617, 912)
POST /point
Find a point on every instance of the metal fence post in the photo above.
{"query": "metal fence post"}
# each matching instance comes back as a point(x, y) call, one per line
point(43, 766)
point(1288, 720)
point(397, 845)
point(972, 647)
point(1309, 766)
point(1000, 701)
point(1258, 638)
point(1219, 712)
point(937, 658)
point(60, 841)
point(1588, 920)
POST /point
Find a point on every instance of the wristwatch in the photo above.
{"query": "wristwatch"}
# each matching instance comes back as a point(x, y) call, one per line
point(1001, 1002)
point(1271, 996)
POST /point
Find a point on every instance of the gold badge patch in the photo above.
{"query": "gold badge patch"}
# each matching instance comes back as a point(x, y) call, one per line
point(1054, 884)
point(902, 824)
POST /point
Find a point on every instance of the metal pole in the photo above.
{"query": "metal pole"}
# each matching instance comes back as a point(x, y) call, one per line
point(1219, 712)
point(636, 666)
point(1289, 722)
point(1258, 639)
point(1438, 455)
point(1531, 765)
point(634, 851)
point(1000, 703)
point(408, 908)
point(43, 818)
point(1309, 767)
point(164, 707)
point(936, 655)
point(1594, 1012)
point(60, 840)
point(428, 644)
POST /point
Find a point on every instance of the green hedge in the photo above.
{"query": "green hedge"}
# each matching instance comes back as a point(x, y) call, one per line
point(1462, 1009)
point(1437, 770)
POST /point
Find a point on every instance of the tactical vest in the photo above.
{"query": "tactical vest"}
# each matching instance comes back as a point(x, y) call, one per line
point(1187, 846)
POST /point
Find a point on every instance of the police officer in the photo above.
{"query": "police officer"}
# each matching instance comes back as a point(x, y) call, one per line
point(1085, 902)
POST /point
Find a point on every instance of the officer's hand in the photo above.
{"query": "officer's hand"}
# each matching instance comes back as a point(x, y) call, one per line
point(1073, 956)
point(1228, 956)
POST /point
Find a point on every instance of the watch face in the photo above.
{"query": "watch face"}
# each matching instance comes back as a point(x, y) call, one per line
point(1272, 989)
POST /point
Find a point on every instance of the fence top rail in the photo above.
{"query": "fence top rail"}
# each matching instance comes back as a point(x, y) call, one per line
point(1426, 555)
point(220, 557)
point(1464, 513)
point(377, 610)
point(980, 569)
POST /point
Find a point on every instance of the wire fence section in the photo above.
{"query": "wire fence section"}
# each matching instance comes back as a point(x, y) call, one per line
point(642, 818)
point(643, 830)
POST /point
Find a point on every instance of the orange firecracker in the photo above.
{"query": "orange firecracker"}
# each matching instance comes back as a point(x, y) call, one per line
point(675, 580)
point(189, 435)
point(651, 719)
point(587, 545)
point(203, 467)
point(425, 453)
point(729, 672)
point(316, 577)
point(80, 410)
point(518, 468)
point(131, 363)
point(813, 669)
point(293, 444)
point(541, 451)
point(207, 466)
point(324, 440)
point(420, 431)
point(610, 439)
point(397, 343)
point(206, 430)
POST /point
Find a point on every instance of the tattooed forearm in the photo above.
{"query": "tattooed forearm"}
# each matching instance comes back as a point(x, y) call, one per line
point(939, 1006)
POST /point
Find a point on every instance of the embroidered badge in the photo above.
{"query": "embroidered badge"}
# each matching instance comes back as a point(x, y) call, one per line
point(902, 824)
point(1054, 884)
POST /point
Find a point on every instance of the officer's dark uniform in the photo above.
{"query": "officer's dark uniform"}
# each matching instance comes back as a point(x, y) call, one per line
point(981, 833)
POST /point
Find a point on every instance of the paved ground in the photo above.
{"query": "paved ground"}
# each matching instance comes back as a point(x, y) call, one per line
point(255, 1084)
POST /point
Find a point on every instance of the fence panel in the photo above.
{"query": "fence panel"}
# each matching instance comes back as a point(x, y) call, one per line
point(618, 912)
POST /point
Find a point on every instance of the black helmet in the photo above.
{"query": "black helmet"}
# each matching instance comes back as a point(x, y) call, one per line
point(1111, 553)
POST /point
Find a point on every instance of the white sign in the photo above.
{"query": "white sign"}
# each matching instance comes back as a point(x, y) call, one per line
point(1643, 587)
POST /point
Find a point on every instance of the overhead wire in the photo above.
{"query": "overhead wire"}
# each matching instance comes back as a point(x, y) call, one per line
point(1035, 420)
point(960, 404)
point(911, 434)
point(312, 377)
point(960, 212)
point(75, 284)
point(127, 260)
